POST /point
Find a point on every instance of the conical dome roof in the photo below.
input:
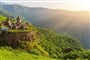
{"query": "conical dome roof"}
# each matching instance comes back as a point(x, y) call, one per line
point(18, 18)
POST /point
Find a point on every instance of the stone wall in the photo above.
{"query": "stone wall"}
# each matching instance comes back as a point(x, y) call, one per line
point(14, 37)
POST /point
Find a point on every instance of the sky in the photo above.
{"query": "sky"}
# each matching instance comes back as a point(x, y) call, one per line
point(76, 5)
point(45, 0)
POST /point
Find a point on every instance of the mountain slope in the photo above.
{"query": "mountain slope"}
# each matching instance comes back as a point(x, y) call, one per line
point(47, 44)
point(57, 44)
point(10, 54)
point(74, 23)
point(5, 13)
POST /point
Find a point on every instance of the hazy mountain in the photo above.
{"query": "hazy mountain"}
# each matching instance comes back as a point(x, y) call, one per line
point(75, 23)
point(36, 43)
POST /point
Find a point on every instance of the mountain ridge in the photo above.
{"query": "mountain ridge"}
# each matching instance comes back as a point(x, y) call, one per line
point(74, 23)
point(48, 43)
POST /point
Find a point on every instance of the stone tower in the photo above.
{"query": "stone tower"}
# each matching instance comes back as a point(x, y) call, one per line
point(18, 20)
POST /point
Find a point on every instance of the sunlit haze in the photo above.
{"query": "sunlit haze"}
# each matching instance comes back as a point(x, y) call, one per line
point(75, 5)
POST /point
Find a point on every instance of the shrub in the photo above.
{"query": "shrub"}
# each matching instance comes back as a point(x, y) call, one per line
point(35, 51)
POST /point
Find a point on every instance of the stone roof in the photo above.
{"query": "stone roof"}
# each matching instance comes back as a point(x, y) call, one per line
point(18, 18)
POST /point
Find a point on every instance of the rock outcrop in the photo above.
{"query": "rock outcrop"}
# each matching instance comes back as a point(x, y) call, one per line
point(14, 37)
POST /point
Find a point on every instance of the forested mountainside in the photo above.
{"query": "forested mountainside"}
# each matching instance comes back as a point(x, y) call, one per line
point(47, 45)
point(74, 23)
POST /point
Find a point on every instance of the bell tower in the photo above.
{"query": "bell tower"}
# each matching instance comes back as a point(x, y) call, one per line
point(18, 20)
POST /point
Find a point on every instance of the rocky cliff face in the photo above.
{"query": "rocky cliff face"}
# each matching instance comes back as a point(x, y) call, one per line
point(14, 37)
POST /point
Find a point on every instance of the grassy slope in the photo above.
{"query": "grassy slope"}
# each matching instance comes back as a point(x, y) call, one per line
point(61, 40)
point(56, 44)
point(2, 18)
point(11, 54)
point(20, 55)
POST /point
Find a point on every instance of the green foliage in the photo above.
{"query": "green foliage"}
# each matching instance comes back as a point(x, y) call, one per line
point(59, 20)
point(35, 51)
point(42, 50)
point(53, 50)
point(63, 41)
point(25, 45)
point(2, 18)
point(6, 48)
point(78, 54)
point(47, 43)
point(18, 31)
point(58, 45)
point(6, 54)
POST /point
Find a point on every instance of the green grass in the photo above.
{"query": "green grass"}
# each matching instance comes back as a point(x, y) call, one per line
point(18, 30)
point(2, 18)
point(20, 55)
point(42, 50)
